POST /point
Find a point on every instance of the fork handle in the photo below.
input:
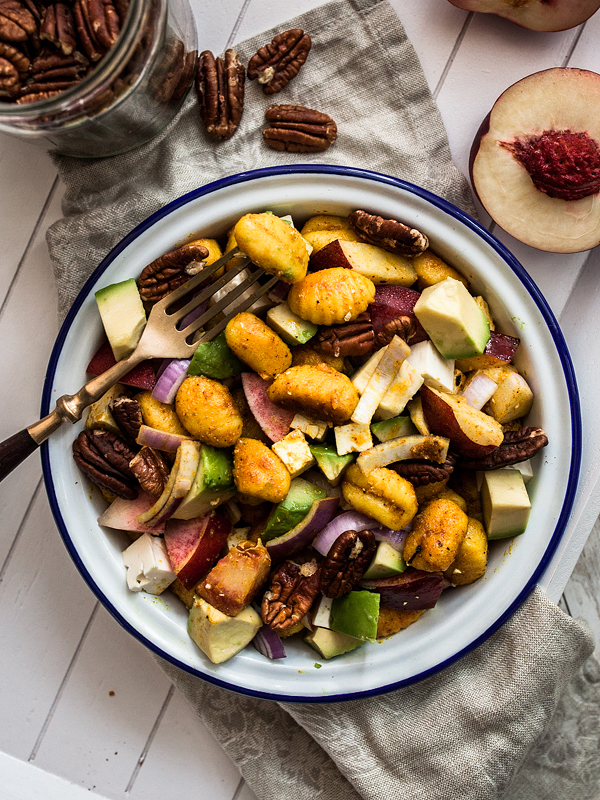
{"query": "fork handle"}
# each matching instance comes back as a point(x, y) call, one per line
point(14, 450)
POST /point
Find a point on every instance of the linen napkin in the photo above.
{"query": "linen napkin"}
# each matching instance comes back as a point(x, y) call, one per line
point(468, 730)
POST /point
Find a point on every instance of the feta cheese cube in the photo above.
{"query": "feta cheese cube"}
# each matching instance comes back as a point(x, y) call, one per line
point(437, 371)
point(295, 453)
point(403, 388)
point(313, 428)
point(353, 438)
point(148, 565)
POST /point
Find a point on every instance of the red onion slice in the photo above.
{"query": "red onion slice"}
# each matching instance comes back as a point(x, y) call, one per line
point(349, 521)
point(170, 379)
point(480, 390)
point(268, 643)
point(160, 440)
point(395, 538)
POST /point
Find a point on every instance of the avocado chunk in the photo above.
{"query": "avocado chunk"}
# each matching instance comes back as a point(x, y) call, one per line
point(212, 485)
point(331, 643)
point(218, 636)
point(100, 414)
point(356, 614)
point(505, 503)
point(292, 509)
point(123, 316)
point(393, 428)
point(215, 360)
point(330, 464)
point(387, 562)
point(454, 322)
point(292, 328)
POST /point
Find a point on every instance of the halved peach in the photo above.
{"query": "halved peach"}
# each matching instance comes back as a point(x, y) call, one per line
point(538, 15)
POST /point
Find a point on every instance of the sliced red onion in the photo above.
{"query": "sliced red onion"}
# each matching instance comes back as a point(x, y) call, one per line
point(193, 315)
point(268, 643)
point(160, 440)
point(170, 379)
point(320, 515)
point(480, 390)
point(350, 521)
point(395, 538)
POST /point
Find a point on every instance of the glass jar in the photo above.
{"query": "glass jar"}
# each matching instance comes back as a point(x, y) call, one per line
point(133, 92)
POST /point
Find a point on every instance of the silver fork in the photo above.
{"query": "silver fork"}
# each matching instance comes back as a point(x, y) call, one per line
point(161, 339)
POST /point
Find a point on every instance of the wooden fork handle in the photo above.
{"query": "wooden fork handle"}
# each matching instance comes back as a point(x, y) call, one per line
point(14, 450)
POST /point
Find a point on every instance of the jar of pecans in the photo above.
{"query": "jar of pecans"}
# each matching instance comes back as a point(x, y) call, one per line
point(94, 78)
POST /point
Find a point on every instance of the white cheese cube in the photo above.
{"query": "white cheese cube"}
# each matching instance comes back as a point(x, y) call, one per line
point(313, 428)
point(404, 387)
point(363, 374)
point(322, 612)
point(437, 371)
point(295, 453)
point(236, 536)
point(352, 438)
point(148, 565)
point(218, 636)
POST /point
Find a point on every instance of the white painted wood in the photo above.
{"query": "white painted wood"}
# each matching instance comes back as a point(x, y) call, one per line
point(24, 781)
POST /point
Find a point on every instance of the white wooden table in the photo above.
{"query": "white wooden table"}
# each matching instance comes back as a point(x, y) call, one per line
point(84, 710)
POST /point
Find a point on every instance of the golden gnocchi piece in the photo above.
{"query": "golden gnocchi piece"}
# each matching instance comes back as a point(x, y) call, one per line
point(320, 239)
point(207, 410)
point(257, 345)
point(429, 491)
point(436, 535)
point(258, 472)
point(382, 494)
point(159, 415)
point(274, 245)
point(316, 391)
point(331, 296)
point(325, 222)
point(306, 354)
point(471, 559)
point(431, 269)
point(392, 620)
point(449, 494)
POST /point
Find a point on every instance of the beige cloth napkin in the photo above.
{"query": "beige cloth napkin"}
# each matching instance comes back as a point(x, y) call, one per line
point(467, 731)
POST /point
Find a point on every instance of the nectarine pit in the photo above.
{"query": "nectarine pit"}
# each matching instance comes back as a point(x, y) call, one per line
point(562, 164)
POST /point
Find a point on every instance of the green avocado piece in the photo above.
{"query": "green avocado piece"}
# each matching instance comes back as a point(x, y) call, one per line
point(292, 509)
point(330, 464)
point(331, 643)
point(393, 428)
point(292, 328)
point(505, 503)
point(387, 562)
point(455, 323)
point(212, 485)
point(356, 614)
point(123, 316)
point(215, 360)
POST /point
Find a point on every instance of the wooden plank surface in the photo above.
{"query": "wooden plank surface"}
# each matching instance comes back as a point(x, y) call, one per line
point(83, 706)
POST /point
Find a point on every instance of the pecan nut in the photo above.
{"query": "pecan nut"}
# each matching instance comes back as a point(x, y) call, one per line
point(151, 470)
point(347, 561)
point(17, 23)
point(517, 446)
point(166, 273)
point(351, 339)
point(127, 413)
point(290, 595)
point(421, 473)
point(98, 26)
point(403, 326)
point(220, 90)
point(104, 457)
point(14, 66)
point(297, 129)
point(277, 63)
point(389, 234)
point(58, 27)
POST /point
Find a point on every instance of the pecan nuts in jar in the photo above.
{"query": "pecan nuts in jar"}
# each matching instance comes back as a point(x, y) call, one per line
point(346, 562)
point(516, 446)
point(13, 69)
point(389, 234)
point(220, 91)
point(277, 63)
point(17, 23)
point(297, 129)
point(290, 595)
point(104, 457)
point(166, 273)
point(151, 470)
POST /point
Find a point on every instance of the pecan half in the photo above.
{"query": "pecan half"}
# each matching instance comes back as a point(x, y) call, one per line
point(297, 129)
point(289, 597)
point(166, 273)
point(352, 339)
point(13, 68)
point(220, 90)
point(58, 27)
point(347, 561)
point(277, 63)
point(98, 26)
point(127, 413)
point(391, 235)
point(104, 457)
point(403, 326)
point(517, 446)
point(421, 473)
point(151, 470)
point(34, 96)
point(17, 23)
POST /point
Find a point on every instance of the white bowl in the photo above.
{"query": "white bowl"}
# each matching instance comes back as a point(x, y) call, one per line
point(464, 617)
